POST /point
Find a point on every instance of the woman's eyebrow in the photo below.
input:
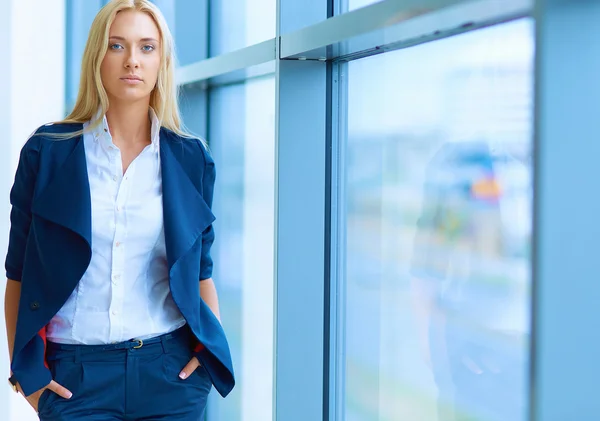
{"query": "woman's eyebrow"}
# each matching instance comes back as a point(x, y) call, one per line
point(117, 37)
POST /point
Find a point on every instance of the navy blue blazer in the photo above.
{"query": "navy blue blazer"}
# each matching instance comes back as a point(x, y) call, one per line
point(50, 243)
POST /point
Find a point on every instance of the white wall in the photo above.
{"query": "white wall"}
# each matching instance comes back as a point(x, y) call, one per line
point(32, 90)
point(5, 157)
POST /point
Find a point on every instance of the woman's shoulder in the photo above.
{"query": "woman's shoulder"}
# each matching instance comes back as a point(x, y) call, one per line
point(51, 132)
point(58, 128)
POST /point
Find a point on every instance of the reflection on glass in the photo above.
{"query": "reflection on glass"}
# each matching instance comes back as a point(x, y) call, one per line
point(438, 230)
point(237, 24)
point(242, 140)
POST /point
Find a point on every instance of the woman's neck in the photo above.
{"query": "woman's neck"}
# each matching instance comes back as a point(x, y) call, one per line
point(129, 123)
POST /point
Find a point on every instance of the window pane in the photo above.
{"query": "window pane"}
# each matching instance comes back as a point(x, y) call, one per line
point(187, 20)
point(237, 24)
point(438, 229)
point(242, 140)
point(349, 5)
point(80, 15)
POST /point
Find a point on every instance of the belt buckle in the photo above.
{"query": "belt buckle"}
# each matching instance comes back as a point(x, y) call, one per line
point(139, 345)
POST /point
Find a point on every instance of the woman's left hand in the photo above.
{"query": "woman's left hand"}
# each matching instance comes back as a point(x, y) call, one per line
point(189, 368)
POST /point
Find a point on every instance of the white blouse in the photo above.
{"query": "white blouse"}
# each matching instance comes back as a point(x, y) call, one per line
point(124, 294)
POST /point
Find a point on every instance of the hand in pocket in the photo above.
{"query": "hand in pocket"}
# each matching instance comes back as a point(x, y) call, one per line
point(54, 387)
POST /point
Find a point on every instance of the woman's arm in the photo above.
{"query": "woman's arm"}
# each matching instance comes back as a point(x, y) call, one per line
point(12, 295)
point(208, 292)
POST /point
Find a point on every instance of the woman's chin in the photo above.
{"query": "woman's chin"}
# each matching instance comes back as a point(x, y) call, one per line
point(130, 95)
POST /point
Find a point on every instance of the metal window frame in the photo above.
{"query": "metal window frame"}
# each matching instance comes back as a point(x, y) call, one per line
point(565, 341)
point(300, 226)
point(306, 79)
point(337, 298)
point(236, 61)
point(308, 333)
point(373, 29)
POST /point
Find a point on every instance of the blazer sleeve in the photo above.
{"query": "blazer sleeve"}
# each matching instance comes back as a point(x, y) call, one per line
point(208, 236)
point(21, 196)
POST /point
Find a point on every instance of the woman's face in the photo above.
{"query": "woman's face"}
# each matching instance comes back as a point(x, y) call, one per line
point(130, 67)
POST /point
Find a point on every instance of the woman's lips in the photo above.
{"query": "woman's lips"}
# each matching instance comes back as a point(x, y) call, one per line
point(131, 81)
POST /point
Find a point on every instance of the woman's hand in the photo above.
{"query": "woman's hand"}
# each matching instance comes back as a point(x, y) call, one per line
point(34, 398)
point(189, 368)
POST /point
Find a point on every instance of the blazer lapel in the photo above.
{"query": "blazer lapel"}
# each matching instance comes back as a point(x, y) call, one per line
point(66, 199)
point(186, 214)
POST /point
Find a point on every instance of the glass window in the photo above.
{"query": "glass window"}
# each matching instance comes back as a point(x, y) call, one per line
point(187, 20)
point(438, 192)
point(242, 141)
point(237, 24)
point(350, 5)
point(79, 18)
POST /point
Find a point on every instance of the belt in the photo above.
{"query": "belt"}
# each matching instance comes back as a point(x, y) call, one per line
point(129, 344)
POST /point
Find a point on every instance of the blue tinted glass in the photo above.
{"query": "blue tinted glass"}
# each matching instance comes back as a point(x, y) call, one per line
point(438, 227)
point(242, 139)
point(237, 24)
point(79, 17)
point(188, 23)
point(349, 5)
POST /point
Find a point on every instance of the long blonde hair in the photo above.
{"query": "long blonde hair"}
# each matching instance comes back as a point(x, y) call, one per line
point(92, 95)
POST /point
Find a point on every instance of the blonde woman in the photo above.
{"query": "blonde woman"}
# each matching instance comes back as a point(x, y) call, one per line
point(111, 311)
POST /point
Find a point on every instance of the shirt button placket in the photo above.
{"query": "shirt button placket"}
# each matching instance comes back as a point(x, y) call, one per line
point(118, 261)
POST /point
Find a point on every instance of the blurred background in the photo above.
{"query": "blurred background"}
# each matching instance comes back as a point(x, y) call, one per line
point(378, 166)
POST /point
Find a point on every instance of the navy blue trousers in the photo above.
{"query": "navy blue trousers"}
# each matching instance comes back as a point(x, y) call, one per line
point(126, 382)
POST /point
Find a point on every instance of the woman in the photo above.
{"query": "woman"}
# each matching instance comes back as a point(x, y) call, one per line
point(110, 308)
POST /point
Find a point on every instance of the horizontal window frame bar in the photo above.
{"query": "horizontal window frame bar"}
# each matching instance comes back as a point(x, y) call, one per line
point(211, 68)
point(357, 22)
point(356, 34)
point(442, 24)
point(238, 76)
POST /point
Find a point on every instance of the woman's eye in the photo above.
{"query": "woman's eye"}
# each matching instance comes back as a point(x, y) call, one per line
point(148, 48)
point(116, 46)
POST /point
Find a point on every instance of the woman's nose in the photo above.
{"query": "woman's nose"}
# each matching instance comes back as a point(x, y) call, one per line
point(132, 62)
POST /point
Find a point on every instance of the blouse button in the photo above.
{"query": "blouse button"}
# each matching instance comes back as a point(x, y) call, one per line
point(34, 305)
